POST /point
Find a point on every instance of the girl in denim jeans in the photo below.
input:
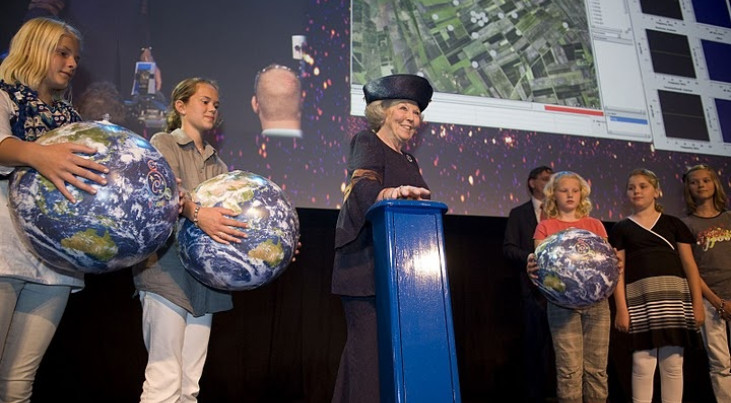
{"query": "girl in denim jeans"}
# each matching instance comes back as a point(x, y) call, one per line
point(580, 335)
point(710, 222)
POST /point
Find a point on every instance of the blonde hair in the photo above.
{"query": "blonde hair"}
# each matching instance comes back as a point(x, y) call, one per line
point(182, 92)
point(719, 195)
point(375, 112)
point(31, 50)
point(654, 181)
point(549, 203)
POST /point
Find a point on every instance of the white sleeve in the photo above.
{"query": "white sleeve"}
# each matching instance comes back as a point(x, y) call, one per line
point(6, 111)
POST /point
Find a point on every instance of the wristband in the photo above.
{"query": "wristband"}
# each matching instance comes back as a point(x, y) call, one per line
point(720, 309)
point(195, 215)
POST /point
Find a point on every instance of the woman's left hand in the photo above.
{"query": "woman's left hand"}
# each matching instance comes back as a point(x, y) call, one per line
point(410, 193)
point(531, 267)
point(218, 223)
point(297, 251)
point(622, 321)
point(699, 313)
point(620, 260)
point(183, 195)
point(725, 310)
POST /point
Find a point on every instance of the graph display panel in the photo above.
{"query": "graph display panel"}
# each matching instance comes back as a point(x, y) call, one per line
point(597, 68)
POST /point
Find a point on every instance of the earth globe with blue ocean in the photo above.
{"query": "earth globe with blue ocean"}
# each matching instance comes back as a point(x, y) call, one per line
point(126, 221)
point(266, 251)
point(576, 268)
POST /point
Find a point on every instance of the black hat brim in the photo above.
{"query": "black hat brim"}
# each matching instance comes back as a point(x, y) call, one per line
point(400, 86)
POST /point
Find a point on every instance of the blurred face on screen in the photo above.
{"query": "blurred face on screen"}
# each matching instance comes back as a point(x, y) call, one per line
point(402, 121)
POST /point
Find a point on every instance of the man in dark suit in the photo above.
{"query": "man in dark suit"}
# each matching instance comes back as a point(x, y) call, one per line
point(538, 365)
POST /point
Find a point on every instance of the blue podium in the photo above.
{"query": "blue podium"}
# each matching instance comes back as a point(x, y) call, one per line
point(417, 355)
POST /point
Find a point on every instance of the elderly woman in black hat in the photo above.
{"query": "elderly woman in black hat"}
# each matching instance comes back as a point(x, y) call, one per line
point(378, 169)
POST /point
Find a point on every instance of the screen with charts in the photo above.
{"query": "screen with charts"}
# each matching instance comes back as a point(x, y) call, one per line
point(655, 71)
point(597, 87)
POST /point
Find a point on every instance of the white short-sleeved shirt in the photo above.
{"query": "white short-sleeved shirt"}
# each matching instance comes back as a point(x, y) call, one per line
point(16, 260)
point(6, 111)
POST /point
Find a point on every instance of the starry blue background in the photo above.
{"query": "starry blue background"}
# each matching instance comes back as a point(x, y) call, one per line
point(474, 170)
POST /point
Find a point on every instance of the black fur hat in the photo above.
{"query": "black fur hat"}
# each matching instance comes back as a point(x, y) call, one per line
point(400, 86)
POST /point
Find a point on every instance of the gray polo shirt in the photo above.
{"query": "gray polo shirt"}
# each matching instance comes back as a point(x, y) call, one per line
point(163, 273)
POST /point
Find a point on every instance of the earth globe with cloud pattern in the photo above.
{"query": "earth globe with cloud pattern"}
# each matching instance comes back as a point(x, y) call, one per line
point(126, 221)
point(272, 233)
point(576, 268)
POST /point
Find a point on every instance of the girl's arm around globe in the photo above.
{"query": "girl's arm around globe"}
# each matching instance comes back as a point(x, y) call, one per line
point(216, 222)
point(59, 163)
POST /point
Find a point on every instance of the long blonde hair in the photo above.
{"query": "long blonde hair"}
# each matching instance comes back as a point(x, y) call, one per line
point(549, 202)
point(719, 195)
point(31, 50)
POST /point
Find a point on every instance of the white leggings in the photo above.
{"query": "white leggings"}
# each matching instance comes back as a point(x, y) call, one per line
point(671, 374)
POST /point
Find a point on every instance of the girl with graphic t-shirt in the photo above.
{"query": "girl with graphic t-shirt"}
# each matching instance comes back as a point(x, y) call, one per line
point(710, 223)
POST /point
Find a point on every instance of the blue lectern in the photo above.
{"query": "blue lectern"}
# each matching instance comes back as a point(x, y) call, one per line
point(417, 356)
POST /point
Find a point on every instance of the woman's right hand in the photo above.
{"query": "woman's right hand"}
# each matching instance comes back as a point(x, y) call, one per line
point(61, 164)
point(726, 314)
point(412, 192)
point(405, 192)
point(621, 320)
point(218, 224)
point(532, 267)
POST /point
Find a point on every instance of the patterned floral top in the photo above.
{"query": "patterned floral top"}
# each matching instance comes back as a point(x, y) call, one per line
point(24, 116)
point(31, 117)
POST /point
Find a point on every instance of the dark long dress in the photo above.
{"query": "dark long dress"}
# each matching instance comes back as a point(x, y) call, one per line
point(353, 277)
point(657, 292)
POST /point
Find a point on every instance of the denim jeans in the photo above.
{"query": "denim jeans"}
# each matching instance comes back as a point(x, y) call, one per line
point(30, 315)
point(581, 343)
point(719, 359)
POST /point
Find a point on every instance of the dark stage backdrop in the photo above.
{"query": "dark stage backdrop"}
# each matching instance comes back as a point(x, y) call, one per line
point(282, 342)
point(476, 171)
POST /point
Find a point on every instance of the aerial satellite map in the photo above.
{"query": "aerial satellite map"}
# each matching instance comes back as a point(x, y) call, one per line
point(533, 51)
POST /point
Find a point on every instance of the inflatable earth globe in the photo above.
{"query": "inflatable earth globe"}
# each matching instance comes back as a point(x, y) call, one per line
point(576, 268)
point(126, 221)
point(272, 233)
